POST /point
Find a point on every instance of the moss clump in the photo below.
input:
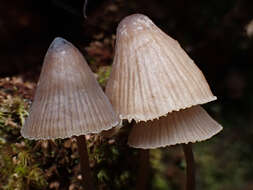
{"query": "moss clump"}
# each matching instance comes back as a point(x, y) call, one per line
point(19, 169)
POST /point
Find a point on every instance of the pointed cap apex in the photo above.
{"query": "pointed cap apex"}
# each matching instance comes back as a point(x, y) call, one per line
point(58, 43)
point(134, 24)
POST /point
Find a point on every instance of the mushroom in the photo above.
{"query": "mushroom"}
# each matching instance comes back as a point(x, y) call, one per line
point(68, 102)
point(186, 126)
point(153, 76)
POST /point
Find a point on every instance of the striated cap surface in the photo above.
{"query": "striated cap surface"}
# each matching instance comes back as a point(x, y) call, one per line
point(151, 74)
point(185, 126)
point(68, 99)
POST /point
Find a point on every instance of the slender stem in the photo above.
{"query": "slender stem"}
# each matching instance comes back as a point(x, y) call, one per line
point(84, 162)
point(190, 168)
point(143, 172)
point(84, 8)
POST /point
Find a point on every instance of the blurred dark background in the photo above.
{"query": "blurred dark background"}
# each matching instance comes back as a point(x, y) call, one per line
point(217, 34)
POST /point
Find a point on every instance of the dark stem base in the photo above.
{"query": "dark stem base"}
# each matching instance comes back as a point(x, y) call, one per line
point(190, 168)
point(84, 162)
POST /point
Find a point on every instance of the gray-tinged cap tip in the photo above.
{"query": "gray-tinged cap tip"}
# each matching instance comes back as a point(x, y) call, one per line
point(58, 43)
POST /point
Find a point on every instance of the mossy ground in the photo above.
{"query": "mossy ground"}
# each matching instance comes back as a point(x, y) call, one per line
point(223, 162)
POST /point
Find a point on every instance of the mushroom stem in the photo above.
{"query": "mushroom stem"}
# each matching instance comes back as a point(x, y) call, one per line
point(84, 162)
point(190, 168)
point(143, 172)
point(84, 8)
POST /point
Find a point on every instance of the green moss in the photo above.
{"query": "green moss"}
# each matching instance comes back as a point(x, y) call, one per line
point(19, 169)
point(103, 75)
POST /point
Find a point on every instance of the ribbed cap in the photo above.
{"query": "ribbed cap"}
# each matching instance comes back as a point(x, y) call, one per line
point(189, 125)
point(68, 99)
point(151, 74)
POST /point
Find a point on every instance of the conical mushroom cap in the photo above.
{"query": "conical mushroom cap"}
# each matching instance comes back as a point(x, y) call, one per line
point(68, 99)
point(189, 125)
point(151, 74)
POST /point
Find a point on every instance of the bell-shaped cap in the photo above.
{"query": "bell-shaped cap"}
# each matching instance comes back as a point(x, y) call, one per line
point(68, 99)
point(151, 74)
point(185, 126)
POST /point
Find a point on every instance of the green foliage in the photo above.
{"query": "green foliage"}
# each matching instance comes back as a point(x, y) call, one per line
point(21, 172)
point(227, 171)
point(159, 179)
point(103, 75)
point(19, 169)
point(168, 169)
point(12, 115)
point(114, 162)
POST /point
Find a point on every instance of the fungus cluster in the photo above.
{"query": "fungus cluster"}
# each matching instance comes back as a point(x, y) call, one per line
point(153, 82)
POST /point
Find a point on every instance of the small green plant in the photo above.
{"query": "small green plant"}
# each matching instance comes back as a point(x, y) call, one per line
point(19, 169)
point(103, 75)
